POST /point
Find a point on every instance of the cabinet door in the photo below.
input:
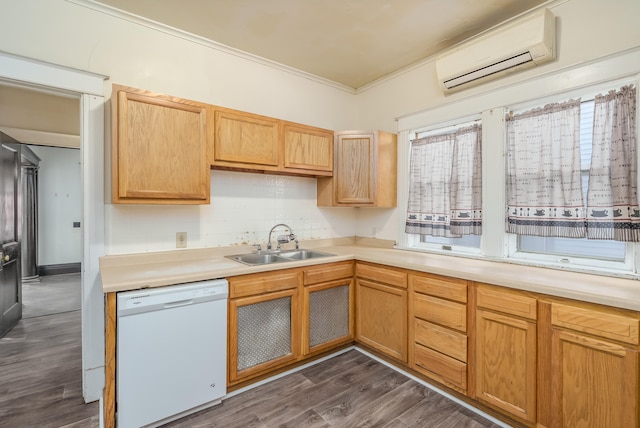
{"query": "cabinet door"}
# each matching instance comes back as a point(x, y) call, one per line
point(159, 150)
point(594, 383)
point(308, 149)
point(245, 140)
point(506, 363)
point(382, 318)
point(328, 315)
point(263, 334)
point(355, 174)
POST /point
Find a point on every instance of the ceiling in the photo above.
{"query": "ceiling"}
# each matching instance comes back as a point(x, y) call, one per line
point(350, 42)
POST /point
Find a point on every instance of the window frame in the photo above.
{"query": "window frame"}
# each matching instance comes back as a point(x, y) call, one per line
point(496, 244)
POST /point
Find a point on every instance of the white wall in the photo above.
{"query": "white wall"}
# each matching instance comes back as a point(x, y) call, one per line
point(590, 34)
point(59, 205)
point(64, 33)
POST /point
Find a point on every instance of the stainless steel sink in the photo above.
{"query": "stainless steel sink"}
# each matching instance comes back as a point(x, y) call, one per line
point(263, 258)
point(304, 254)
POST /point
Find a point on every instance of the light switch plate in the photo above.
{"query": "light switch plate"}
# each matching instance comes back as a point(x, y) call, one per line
point(181, 239)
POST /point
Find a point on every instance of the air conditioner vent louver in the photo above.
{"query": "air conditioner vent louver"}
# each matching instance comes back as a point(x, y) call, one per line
point(518, 45)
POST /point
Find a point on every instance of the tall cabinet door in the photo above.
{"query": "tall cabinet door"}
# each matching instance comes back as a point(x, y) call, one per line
point(355, 172)
point(594, 383)
point(506, 363)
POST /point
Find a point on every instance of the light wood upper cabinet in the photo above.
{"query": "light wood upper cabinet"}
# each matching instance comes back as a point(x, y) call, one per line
point(365, 171)
point(307, 149)
point(159, 150)
point(250, 142)
point(245, 140)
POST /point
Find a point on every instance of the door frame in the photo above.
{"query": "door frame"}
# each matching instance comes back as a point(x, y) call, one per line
point(89, 89)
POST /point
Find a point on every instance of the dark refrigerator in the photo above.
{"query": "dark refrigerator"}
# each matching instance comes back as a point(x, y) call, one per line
point(10, 275)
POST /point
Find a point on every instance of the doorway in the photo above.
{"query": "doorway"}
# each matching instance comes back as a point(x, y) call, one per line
point(88, 88)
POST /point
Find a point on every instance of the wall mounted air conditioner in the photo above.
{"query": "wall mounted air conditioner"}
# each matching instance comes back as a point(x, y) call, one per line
point(518, 45)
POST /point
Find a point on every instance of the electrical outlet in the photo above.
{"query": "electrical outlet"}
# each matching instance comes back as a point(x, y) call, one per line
point(181, 239)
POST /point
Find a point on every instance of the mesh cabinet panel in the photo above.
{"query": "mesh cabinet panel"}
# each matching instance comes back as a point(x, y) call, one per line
point(264, 332)
point(328, 314)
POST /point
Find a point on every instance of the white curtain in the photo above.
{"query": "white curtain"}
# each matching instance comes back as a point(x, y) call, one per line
point(445, 184)
point(612, 200)
point(544, 186)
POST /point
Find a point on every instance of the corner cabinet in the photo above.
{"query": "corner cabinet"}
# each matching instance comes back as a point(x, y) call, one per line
point(364, 173)
point(381, 321)
point(159, 149)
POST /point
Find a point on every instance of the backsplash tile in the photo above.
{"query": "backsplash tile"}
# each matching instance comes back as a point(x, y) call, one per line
point(244, 207)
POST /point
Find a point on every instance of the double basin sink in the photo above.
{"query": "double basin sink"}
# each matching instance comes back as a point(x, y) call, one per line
point(265, 258)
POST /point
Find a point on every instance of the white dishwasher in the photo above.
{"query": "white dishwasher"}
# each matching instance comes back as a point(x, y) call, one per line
point(171, 351)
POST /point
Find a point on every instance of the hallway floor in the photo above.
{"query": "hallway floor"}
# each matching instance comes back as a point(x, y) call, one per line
point(41, 362)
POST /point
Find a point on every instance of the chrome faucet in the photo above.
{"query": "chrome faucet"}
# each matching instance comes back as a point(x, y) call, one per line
point(282, 239)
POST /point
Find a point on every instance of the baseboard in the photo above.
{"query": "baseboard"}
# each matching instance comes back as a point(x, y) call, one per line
point(59, 269)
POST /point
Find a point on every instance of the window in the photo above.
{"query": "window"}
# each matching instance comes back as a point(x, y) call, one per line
point(445, 188)
point(597, 212)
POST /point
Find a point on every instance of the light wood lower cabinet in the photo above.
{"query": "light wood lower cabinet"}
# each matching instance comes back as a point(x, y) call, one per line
point(282, 317)
point(264, 325)
point(328, 307)
point(594, 380)
point(505, 351)
point(438, 328)
point(381, 320)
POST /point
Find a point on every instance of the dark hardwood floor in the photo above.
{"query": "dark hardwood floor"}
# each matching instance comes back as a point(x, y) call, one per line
point(350, 390)
point(40, 361)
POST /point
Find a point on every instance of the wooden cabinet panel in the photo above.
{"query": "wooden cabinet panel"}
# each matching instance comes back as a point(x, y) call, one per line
point(328, 319)
point(328, 272)
point(249, 285)
point(440, 286)
point(381, 320)
point(263, 334)
point(594, 382)
point(382, 274)
point(505, 363)
point(596, 322)
point(439, 311)
point(365, 171)
point(441, 339)
point(307, 148)
point(356, 181)
point(159, 150)
point(502, 300)
point(245, 140)
point(442, 368)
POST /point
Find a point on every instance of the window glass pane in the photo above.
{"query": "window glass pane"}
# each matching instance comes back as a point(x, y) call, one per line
point(464, 241)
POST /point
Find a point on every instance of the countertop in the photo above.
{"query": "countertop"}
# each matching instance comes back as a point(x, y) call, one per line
point(136, 271)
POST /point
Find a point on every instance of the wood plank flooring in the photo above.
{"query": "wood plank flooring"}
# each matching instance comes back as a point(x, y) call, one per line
point(350, 390)
point(53, 294)
point(40, 386)
point(41, 366)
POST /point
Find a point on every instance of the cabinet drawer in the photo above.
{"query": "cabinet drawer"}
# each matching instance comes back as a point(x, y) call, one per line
point(446, 369)
point(249, 285)
point(441, 339)
point(598, 323)
point(440, 286)
point(381, 274)
point(326, 273)
point(439, 311)
point(509, 302)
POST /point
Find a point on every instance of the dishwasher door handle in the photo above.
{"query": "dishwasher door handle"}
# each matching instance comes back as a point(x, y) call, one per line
point(179, 303)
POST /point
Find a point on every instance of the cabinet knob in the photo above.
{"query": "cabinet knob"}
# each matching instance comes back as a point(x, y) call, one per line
point(7, 258)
